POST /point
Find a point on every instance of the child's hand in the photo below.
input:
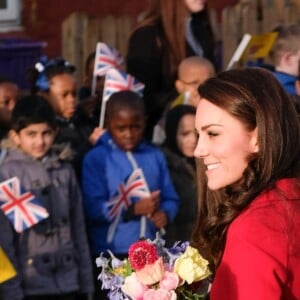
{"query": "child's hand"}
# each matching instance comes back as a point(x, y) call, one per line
point(147, 206)
point(96, 134)
point(194, 98)
point(159, 218)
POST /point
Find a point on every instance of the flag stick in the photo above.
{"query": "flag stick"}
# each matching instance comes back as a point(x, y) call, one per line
point(102, 113)
point(239, 50)
point(93, 92)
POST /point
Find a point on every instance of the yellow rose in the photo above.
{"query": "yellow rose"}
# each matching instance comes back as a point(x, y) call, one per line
point(191, 266)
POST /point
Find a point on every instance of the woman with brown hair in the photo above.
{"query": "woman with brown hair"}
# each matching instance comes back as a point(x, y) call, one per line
point(170, 31)
point(249, 167)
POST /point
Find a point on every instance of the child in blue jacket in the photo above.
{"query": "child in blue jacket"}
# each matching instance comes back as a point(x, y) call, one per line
point(115, 222)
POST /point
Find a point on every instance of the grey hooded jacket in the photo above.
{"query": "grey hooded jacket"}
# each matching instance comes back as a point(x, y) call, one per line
point(52, 257)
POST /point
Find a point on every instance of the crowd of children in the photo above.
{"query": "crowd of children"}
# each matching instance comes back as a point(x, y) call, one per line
point(81, 174)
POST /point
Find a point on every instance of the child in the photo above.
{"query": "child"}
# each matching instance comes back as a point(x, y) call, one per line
point(192, 71)
point(120, 151)
point(54, 79)
point(9, 92)
point(52, 257)
point(285, 55)
point(179, 149)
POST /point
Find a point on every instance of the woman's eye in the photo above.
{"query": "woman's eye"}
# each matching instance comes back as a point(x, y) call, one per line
point(211, 133)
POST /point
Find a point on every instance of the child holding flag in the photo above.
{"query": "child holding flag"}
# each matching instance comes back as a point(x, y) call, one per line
point(127, 189)
point(49, 247)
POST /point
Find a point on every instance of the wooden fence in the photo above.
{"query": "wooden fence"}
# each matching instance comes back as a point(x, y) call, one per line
point(80, 32)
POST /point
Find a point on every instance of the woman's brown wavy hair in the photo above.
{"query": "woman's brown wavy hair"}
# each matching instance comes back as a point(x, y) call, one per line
point(255, 98)
point(172, 14)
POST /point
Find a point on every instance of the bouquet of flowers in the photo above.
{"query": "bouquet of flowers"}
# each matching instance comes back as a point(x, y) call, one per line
point(152, 271)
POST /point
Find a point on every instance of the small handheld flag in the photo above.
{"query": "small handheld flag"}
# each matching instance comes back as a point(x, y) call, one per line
point(116, 81)
point(133, 189)
point(21, 207)
point(106, 58)
point(260, 45)
point(7, 270)
point(253, 47)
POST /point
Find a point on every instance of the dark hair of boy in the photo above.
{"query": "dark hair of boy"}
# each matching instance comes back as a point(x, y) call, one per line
point(32, 110)
point(124, 100)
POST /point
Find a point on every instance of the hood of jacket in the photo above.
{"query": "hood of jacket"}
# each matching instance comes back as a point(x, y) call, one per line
point(57, 154)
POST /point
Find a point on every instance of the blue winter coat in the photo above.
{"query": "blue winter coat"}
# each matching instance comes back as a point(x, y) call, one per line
point(52, 257)
point(288, 82)
point(104, 168)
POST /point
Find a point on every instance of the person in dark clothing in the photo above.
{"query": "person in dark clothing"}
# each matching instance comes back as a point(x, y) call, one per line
point(170, 31)
point(178, 148)
point(54, 79)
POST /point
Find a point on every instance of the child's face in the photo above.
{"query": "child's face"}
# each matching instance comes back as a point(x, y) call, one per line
point(126, 128)
point(8, 95)
point(62, 95)
point(186, 137)
point(35, 139)
point(189, 80)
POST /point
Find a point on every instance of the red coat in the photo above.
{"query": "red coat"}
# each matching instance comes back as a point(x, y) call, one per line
point(261, 260)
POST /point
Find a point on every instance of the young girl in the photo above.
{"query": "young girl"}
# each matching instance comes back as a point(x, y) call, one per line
point(54, 79)
point(179, 149)
point(249, 154)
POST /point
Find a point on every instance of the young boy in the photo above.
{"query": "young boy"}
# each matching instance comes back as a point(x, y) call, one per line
point(120, 151)
point(115, 225)
point(285, 55)
point(52, 257)
point(192, 71)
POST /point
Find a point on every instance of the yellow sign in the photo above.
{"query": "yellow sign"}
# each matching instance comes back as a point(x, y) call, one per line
point(7, 271)
point(259, 46)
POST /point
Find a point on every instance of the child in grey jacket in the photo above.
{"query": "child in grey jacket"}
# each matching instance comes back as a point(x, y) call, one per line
point(52, 257)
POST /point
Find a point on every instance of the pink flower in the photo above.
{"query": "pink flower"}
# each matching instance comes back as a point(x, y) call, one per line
point(170, 281)
point(133, 288)
point(151, 274)
point(142, 253)
point(160, 294)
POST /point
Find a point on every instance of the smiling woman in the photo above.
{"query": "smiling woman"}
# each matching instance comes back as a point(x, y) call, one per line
point(249, 176)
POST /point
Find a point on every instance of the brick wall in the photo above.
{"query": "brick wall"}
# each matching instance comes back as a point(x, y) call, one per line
point(42, 19)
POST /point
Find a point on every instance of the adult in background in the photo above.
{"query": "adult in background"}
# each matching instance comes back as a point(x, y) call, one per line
point(170, 31)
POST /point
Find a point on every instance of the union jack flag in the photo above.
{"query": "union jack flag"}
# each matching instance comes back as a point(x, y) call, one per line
point(21, 207)
point(134, 188)
point(106, 58)
point(116, 81)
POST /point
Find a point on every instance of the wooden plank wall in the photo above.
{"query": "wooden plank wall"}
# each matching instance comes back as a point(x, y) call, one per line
point(254, 17)
point(80, 32)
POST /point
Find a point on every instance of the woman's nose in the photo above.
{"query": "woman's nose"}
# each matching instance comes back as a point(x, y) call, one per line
point(201, 149)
